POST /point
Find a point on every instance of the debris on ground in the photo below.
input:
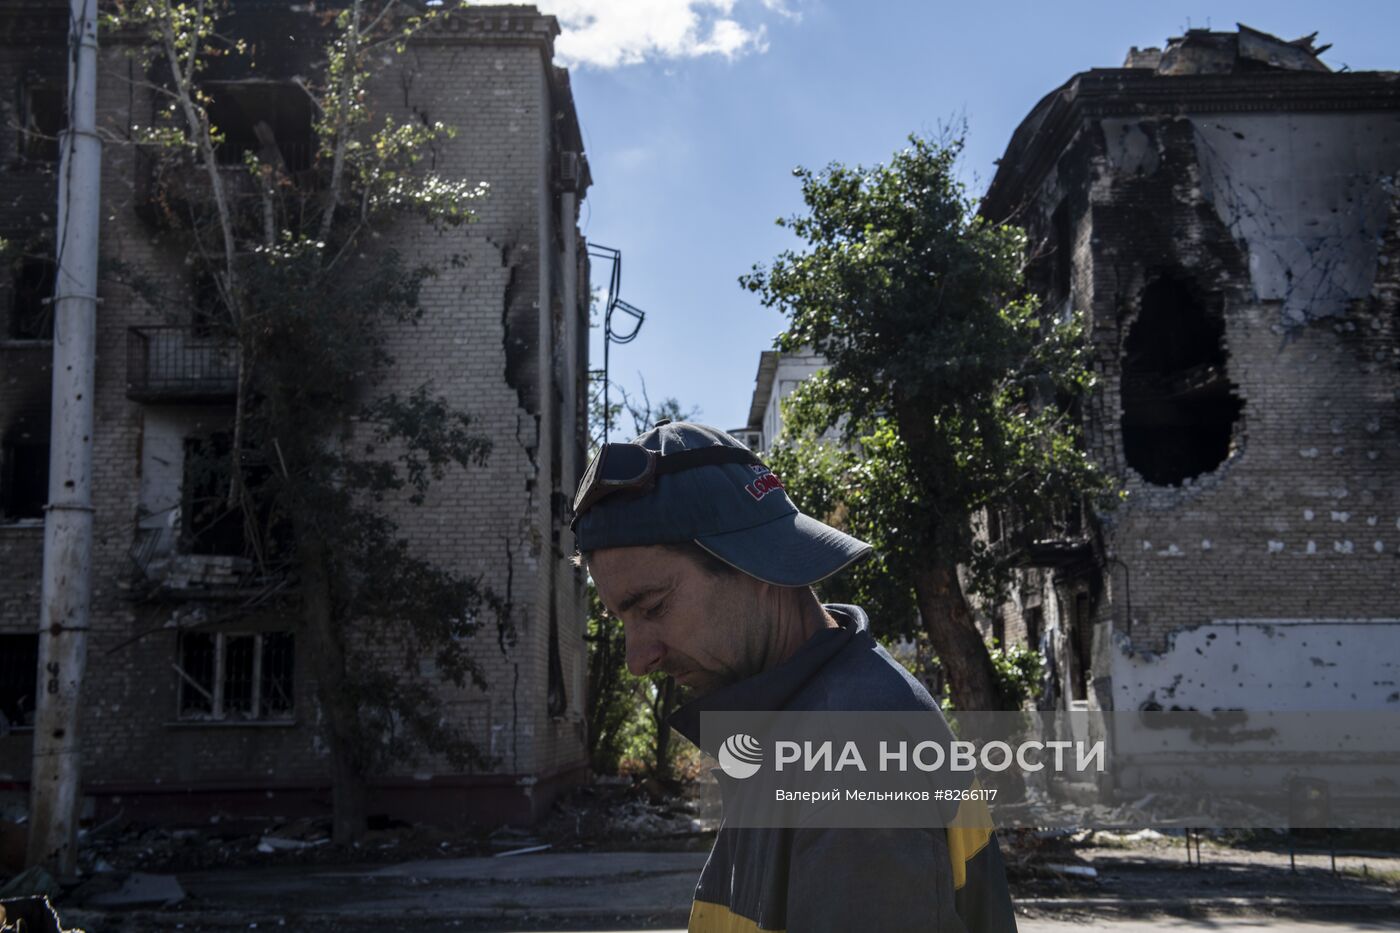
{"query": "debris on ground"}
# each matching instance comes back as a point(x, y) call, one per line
point(642, 815)
point(32, 882)
point(142, 890)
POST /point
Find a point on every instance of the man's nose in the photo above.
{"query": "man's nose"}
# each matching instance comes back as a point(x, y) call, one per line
point(644, 652)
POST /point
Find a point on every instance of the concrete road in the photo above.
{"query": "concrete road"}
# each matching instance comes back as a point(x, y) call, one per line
point(653, 890)
point(1215, 925)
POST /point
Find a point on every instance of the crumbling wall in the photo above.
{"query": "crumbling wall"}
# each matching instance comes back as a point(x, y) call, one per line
point(1239, 271)
point(488, 81)
point(1276, 220)
point(493, 340)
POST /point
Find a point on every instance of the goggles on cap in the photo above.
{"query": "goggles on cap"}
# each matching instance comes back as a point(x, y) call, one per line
point(633, 469)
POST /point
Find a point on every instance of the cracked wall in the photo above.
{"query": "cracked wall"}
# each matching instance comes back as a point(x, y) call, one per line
point(1279, 217)
point(478, 343)
point(1216, 584)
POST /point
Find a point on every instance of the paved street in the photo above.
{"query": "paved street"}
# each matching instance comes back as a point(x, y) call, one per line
point(1137, 891)
point(1216, 925)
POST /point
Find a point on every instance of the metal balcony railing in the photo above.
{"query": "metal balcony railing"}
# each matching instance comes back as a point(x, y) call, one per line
point(179, 363)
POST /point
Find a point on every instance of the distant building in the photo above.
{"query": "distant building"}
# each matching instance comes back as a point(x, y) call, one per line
point(1225, 213)
point(778, 375)
point(194, 700)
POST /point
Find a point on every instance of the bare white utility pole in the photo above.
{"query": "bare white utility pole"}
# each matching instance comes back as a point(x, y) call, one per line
point(65, 614)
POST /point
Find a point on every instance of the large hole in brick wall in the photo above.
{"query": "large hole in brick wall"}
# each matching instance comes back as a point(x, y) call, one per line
point(1179, 406)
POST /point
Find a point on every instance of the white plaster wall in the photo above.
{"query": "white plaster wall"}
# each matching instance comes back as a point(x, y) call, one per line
point(1308, 194)
point(163, 434)
point(1265, 664)
point(792, 370)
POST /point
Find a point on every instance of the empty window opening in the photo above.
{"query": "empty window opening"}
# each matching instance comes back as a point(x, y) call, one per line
point(268, 119)
point(1034, 619)
point(1081, 642)
point(210, 525)
point(1179, 405)
point(19, 679)
point(996, 525)
point(42, 118)
point(24, 476)
point(31, 298)
point(235, 675)
point(207, 311)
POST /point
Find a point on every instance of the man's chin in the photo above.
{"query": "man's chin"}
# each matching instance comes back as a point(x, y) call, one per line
point(698, 683)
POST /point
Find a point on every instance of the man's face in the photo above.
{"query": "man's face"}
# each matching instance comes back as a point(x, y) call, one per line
point(705, 631)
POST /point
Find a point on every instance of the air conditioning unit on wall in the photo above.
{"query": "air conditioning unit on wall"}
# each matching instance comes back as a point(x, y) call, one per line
point(570, 171)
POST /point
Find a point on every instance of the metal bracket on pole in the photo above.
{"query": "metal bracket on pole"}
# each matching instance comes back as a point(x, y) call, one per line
point(610, 335)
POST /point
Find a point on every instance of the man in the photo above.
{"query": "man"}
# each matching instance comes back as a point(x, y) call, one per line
point(695, 545)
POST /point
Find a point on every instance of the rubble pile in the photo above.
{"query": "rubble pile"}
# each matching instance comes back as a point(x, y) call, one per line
point(617, 813)
point(1154, 809)
point(223, 843)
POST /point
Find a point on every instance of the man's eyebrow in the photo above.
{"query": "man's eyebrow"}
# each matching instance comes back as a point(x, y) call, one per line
point(639, 595)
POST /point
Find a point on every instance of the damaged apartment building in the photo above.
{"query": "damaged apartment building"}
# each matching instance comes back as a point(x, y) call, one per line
point(195, 701)
point(1225, 213)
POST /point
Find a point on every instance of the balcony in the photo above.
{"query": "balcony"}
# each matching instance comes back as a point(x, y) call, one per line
point(1055, 541)
point(180, 363)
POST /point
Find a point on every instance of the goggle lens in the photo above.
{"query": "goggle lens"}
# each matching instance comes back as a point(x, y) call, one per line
point(624, 463)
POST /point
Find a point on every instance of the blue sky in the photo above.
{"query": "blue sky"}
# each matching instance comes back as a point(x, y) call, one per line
point(695, 112)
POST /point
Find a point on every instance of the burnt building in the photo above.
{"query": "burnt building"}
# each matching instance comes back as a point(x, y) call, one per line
point(193, 701)
point(1224, 211)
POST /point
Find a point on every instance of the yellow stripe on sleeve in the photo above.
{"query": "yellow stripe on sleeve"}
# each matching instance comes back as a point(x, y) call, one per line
point(706, 917)
point(968, 833)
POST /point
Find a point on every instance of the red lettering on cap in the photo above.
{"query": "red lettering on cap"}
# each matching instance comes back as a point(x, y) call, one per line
point(763, 486)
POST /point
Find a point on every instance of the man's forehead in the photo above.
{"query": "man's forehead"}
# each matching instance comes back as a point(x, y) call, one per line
point(621, 574)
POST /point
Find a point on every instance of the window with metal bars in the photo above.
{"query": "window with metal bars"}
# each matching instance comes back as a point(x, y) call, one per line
point(235, 676)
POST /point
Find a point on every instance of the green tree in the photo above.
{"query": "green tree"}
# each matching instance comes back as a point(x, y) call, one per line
point(323, 453)
point(612, 696)
point(949, 390)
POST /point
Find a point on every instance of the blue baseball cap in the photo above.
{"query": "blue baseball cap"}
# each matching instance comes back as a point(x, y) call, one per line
point(737, 511)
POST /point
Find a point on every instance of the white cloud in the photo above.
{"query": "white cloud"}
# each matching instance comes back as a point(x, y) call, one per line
point(610, 33)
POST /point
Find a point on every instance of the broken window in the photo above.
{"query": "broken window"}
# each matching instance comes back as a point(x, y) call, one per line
point(996, 525)
point(31, 298)
point(41, 119)
point(24, 475)
point(1179, 406)
point(1081, 643)
point(19, 679)
point(207, 309)
point(1034, 619)
point(210, 525)
point(270, 119)
point(235, 675)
